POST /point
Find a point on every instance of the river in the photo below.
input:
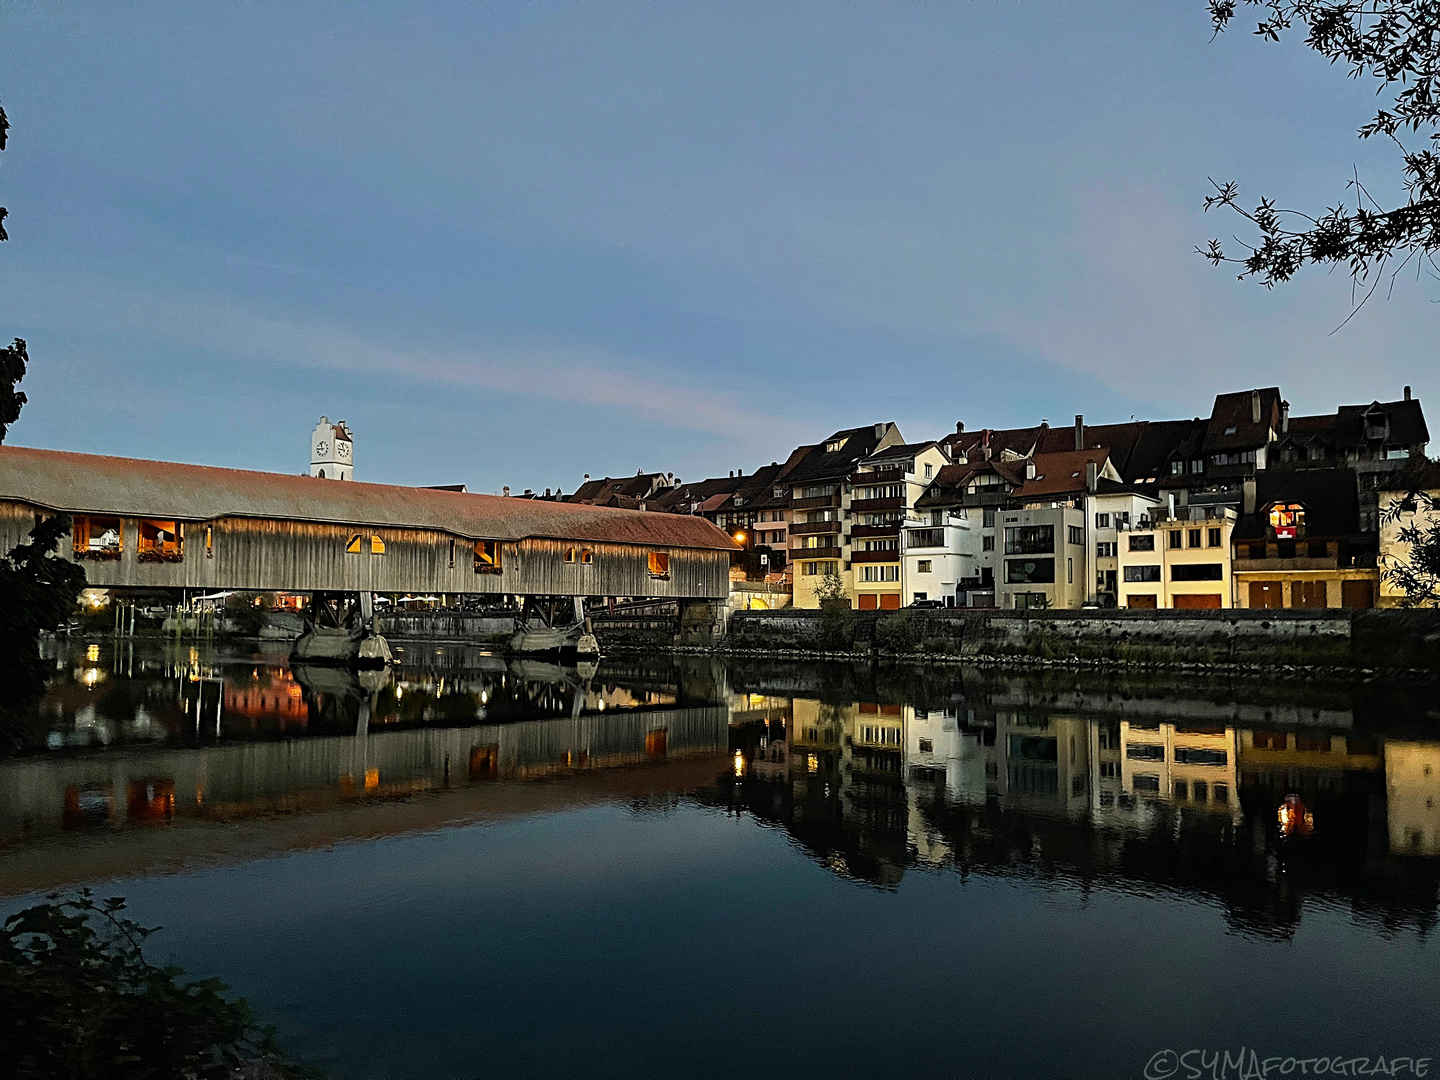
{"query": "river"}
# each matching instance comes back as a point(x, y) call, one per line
point(683, 866)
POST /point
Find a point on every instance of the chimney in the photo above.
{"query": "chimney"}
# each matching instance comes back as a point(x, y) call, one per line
point(506, 491)
point(1079, 431)
point(1092, 476)
point(740, 472)
point(879, 431)
point(587, 477)
point(1254, 406)
point(959, 427)
point(1247, 496)
point(1284, 417)
point(1045, 423)
point(547, 493)
point(1407, 393)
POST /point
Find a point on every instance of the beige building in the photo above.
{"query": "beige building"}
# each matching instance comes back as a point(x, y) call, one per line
point(1412, 787)
point(1194, 766)
point(1409, 499)
point(1178, 559)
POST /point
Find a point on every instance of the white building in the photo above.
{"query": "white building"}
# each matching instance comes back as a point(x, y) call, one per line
point(332, 451)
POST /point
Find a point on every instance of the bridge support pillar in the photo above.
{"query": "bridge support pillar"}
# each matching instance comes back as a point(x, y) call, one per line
point(702, 622)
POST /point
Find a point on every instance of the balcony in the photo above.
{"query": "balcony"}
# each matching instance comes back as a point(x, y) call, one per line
point(880, 476)
point(802, 528)
point(1279, 566)
point(799, 554)
point(861, 532)
point(874, 556)
point(815, 502)
point(933, 537)
point(861, 506)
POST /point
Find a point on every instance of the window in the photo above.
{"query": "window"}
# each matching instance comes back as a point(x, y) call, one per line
point(487, 557)
point(209, 541)
point(1145, 752)
point(1197, 465)
point(880, 572)
point(1107, 770)
point(160, 541)
point(1192, 538)
point(1177, 468)
point(1198, 790)
point(1287, 519)
point(835, 445)
point(1029, 571)
point(586, 556)
point(1317, 549)
point(1285, 549)
point(452, 552)
point(1146, 782)
point(1030, 540)
point(97, 538)
point(352, 546)
point(1075, 534)
point(1197, 572)
point(1212, 538)
point(988, 519)
point(1143, 543)
point(1070, 571)
point(929, 470)
point(927, 746)
point(658, 563)
point(1105, 549)
point(987, 543)
point(569, 554)
point(922, 566)
point(1142, 573)
point(377, 546)
point(1182, 789)
point(1221, 793)
point(1102, 521)
point(1190, 755)
point(1173, 538)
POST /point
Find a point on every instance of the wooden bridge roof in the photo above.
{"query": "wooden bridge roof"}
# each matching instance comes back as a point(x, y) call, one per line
point(169, 491)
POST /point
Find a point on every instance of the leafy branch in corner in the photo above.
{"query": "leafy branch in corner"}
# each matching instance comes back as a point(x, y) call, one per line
point(1418, 576)
point(1396, 44)
point(78, 998)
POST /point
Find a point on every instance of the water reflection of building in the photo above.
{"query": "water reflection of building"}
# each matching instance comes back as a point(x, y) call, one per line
point(874, 789)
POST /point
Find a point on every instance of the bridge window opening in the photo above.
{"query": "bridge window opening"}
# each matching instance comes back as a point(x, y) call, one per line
point(352, 546)
point(487, 556)
point(452, 552)
point(97, 537)
point(587, 556)
point(160, 541)
point(569, 554)
point(659, 564)
point(209, 541)
point(377, 546)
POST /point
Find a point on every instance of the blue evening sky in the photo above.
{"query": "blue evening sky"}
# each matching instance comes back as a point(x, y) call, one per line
point(512, 243)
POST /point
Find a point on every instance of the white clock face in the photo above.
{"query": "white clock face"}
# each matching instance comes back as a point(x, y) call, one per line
point(322, 447)
point(342, 449)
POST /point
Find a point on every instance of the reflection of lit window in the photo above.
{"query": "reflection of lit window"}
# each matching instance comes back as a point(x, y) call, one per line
point(1285, 519)
point(812, 763)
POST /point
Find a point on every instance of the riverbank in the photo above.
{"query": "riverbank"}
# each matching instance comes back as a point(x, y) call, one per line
point(1362, 643)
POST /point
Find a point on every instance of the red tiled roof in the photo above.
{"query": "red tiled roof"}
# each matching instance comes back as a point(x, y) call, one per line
point(87, 483)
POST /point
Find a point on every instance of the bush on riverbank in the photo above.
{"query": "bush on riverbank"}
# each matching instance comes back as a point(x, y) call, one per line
point(79, 999)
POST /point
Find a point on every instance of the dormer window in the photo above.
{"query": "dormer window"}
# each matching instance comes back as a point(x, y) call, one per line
point(834, 445)
point(779, 493)
point(1231, 430)
point(1377, 424)
point(1287, 519)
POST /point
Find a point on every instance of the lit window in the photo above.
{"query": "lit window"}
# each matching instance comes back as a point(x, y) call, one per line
point(487, 556)
point(569, 554)
point(587, 556)
point(377, 546)
point(1286, 519)
point(160, 541)
point(658, 564)
point(352, 546)
point(209, 542)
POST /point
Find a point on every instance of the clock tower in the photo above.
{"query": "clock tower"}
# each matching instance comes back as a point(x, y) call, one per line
point(332, 451)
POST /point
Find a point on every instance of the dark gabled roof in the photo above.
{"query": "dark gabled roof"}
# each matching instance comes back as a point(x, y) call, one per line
point(1407, 423)
point(1231, 426)
point(819, 464)
point(764, 497)
point(127, 487)
point(948, 486)
point(899, 451)
point(610, 491)
point(1161, 442)
point(1059, 474)
point(1331, 498)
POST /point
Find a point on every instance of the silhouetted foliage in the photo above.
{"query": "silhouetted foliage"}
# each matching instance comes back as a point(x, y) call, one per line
point(1397, 44)
point(1418, 517)
point(896, 634)
point(13, 361)
point(4, 135)
point(78, 999)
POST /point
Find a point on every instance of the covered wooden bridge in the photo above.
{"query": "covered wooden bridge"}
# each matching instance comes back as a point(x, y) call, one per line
point(161, 525)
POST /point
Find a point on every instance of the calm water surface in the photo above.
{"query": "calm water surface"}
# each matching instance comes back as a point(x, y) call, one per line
point(665, 868)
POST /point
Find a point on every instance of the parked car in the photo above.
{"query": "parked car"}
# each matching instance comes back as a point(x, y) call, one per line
point(927, 603)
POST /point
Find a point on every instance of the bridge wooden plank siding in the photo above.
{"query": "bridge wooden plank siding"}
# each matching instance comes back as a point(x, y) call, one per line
point(235, 529)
